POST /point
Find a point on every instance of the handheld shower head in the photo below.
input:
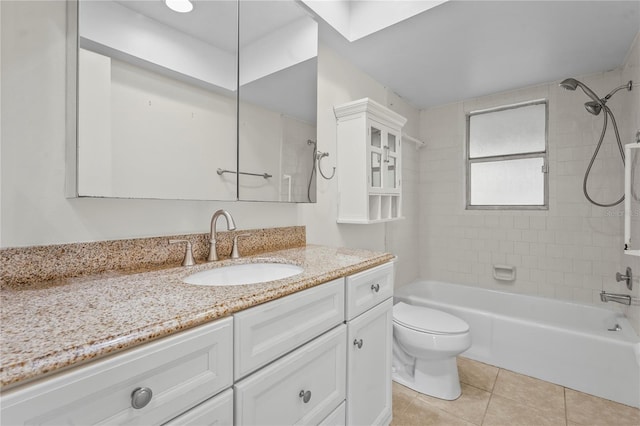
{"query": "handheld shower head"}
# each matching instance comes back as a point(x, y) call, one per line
point(572, 84)
point(593, 107)
point(569, 84)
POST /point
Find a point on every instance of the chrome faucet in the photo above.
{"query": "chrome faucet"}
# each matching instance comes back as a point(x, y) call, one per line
point(625, 299)
point(213, 254)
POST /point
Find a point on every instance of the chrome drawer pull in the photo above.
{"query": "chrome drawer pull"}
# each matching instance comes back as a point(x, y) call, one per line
point(306, 396)
point(357, 343)
point(140, 397)
point(375, 287)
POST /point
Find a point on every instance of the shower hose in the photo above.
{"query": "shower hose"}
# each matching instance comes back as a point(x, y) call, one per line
point(595, 154)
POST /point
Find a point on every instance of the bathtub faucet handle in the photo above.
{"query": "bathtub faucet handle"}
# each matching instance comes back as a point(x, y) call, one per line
point(628, 277)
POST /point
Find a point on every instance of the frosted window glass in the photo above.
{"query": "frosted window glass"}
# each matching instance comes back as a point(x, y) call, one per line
point(507, 183)
point(510, 131)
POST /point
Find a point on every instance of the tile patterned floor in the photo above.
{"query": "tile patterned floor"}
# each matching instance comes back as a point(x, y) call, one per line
point(492, 396)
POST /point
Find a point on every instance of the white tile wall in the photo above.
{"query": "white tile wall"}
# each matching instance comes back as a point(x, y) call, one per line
point(400, 236)
point(571, 251)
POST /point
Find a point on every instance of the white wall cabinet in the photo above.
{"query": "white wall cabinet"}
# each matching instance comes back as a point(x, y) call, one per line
point(369, 162)
point(299, 360)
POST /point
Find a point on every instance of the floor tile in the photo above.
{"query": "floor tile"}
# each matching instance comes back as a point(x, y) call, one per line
point(506, 412)
point(543, 396)
point(471, 405)
point(420, 413)
point(585, 409)
point(477, 374)
point(402, 397)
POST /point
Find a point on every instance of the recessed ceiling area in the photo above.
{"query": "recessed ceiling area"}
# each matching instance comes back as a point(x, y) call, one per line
point(357, 19)
point(465, 49)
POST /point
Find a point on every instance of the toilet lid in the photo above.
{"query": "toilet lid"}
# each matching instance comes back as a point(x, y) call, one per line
point(421, 318)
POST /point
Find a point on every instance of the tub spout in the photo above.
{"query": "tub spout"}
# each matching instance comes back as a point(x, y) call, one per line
point(625, 299)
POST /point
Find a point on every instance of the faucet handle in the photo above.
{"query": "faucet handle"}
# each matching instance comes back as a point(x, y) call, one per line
point(235, 253)
point(188, 254)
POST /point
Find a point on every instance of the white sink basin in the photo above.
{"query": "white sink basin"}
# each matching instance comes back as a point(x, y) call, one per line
point(249, 273)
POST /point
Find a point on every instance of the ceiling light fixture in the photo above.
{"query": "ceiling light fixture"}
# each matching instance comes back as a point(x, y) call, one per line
point(182, 6)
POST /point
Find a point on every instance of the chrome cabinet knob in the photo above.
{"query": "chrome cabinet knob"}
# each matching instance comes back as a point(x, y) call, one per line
point(375, 287)
point(305, 395)
point(357, 343)
point(140, 397)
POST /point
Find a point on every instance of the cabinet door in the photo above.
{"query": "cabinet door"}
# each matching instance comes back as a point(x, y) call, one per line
point(369, 367)
point(303, 387)
point(383, 158)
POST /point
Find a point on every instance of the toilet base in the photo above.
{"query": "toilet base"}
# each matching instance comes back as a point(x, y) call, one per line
point(437, 378)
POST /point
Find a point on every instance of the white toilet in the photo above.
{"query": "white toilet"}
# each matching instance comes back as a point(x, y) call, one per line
point(425, 345)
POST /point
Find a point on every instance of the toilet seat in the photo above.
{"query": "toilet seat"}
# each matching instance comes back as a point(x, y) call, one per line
point(427, 320)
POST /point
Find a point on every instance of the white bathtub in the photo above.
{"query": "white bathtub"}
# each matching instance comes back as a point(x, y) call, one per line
point(560, 342)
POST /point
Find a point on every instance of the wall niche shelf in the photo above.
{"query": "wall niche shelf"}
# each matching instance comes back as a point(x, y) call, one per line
point(369, 157)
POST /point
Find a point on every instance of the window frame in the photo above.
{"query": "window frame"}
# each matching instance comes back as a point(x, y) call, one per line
point(495, 158)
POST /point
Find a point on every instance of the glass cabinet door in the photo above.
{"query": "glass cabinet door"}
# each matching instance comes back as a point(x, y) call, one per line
point(376, 149)
point(391, 174)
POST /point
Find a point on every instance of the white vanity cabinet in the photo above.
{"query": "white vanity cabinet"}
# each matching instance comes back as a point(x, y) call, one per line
point(369, 158)
point(369, 339)
point(177, 372)
point(321, 356)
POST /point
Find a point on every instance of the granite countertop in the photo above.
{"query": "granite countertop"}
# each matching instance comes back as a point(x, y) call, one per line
point(52, 325)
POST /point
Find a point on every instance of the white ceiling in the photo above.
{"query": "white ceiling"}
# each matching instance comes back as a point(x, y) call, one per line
point(464, 49)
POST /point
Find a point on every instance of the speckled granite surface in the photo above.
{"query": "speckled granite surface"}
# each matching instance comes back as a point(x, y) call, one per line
point(48, 326)
point(23, 265)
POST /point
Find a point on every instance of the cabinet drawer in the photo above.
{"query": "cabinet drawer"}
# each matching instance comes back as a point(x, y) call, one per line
point(181, 371)
point(337, 418)
point(272, 396)
point(215, 411)
point(268, 331)
point(366, 289)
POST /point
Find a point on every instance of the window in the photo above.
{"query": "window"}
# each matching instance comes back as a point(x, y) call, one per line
point(507, 157)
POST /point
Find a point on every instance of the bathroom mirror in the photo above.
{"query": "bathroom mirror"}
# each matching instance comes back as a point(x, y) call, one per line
point(277, 102)
point(156, 99)
point(632, 199)
point(157, 112)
